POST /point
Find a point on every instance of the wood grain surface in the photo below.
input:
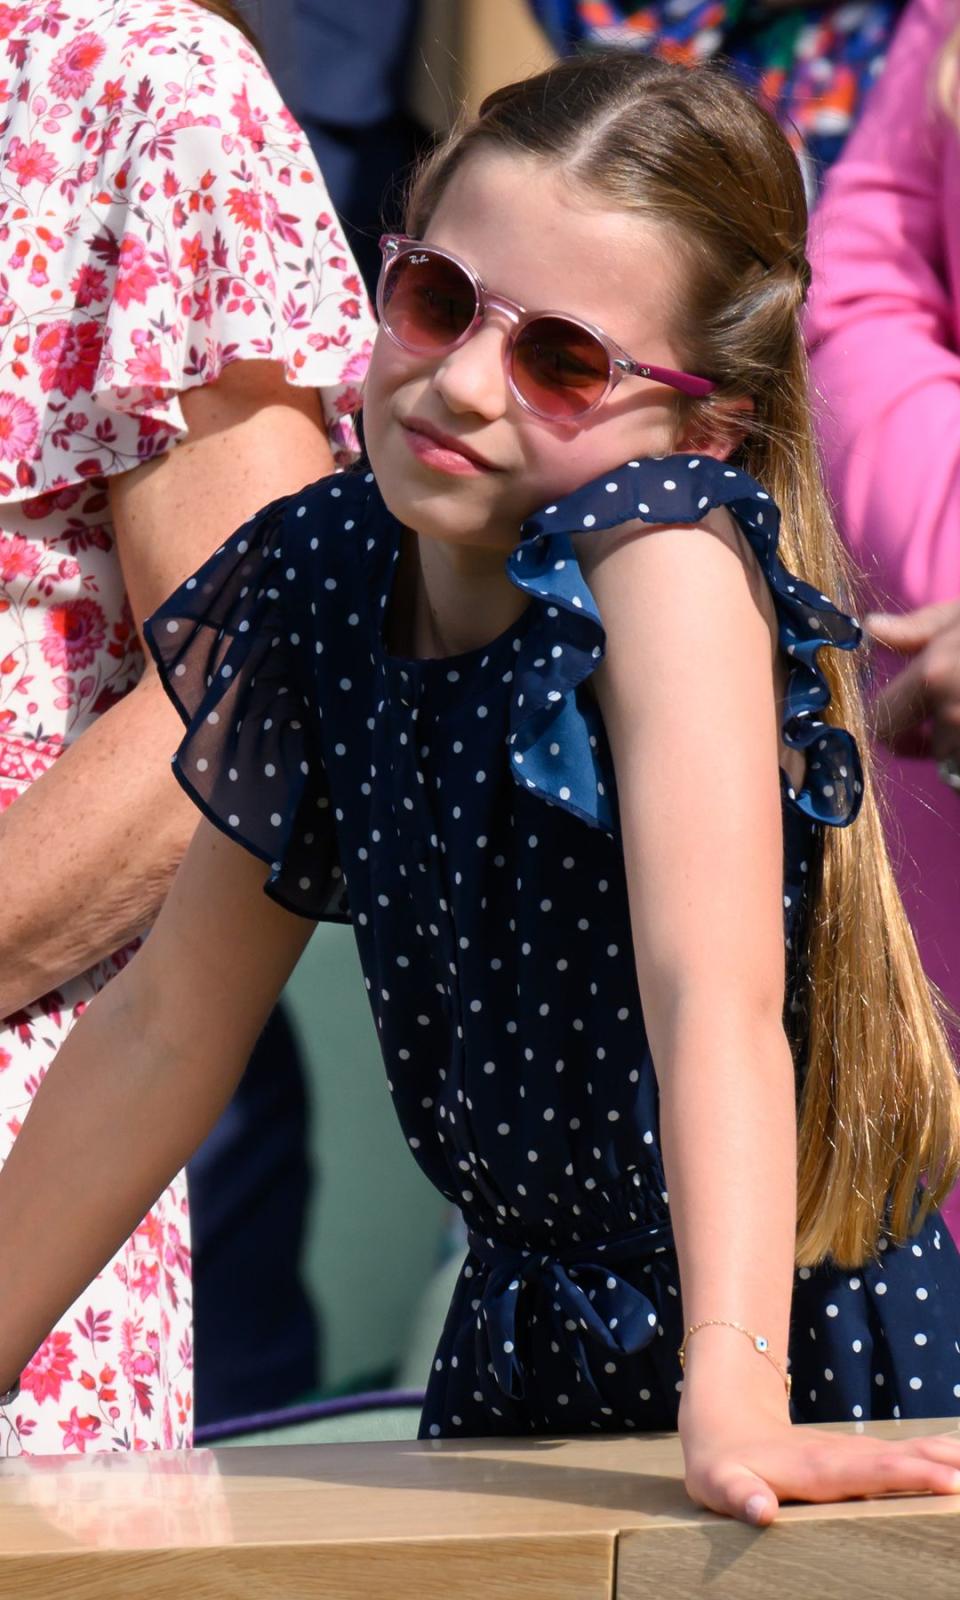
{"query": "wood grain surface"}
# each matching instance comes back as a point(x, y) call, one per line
point(834, 1558)
point(582, 1519)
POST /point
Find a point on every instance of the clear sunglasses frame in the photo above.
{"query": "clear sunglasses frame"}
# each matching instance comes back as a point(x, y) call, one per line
point(620, 364)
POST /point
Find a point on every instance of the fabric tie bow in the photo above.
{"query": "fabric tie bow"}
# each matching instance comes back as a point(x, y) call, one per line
point(593, 1312)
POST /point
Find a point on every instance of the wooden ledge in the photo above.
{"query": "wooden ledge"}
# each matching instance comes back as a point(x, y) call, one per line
point(582, 1519)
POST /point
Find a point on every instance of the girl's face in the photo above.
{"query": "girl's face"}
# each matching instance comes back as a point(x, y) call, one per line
point(534, 238)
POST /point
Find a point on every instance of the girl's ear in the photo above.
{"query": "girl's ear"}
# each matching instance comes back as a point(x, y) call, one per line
point(716, 428)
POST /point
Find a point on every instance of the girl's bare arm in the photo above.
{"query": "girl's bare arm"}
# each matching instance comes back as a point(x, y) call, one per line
point(138, 1084)
point(688, 698)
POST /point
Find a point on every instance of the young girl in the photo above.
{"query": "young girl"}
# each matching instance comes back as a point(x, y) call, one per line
point(576, 850)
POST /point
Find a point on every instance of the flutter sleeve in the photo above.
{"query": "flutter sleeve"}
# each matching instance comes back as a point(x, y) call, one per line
point(557, 743)
point(230, 648)
point(217, 242)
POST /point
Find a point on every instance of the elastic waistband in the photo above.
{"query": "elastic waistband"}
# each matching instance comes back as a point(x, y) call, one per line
point(632, 1245)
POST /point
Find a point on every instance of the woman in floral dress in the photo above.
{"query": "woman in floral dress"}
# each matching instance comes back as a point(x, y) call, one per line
point(170, 274)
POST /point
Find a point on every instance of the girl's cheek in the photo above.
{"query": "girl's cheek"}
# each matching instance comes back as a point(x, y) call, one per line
point(373, 390)
point(560, 465)
point(379, 388)
point(389, 368)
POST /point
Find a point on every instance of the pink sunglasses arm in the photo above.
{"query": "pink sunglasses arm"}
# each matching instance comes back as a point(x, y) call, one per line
point(684, 381)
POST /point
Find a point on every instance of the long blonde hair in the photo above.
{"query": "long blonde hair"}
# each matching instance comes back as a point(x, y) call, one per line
point(879, 1106)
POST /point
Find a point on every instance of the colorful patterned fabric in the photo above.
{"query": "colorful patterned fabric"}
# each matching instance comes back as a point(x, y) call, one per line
point(812, 64)
point(160, 217)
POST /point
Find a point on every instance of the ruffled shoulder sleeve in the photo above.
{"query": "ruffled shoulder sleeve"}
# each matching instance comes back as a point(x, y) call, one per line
point(163, 217)
point(230, 645)
point(557, 745)
point(216, 240)
point(237, 256)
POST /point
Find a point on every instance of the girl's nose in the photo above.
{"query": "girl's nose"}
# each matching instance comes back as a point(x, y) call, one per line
point(472, 378)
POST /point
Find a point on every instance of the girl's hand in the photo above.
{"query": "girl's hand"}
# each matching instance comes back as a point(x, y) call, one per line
point(744, 1468)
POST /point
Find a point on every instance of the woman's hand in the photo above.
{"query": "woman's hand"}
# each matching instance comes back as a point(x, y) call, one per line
point(927, 691)
point(744, 1467)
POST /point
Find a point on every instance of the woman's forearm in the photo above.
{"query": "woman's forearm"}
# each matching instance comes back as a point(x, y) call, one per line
point(138, 1083)
point(67, 1205)
point(88, 851)
point(728, 1127)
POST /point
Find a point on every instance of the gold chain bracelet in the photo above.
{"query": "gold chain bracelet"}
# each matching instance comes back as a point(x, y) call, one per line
point(759, 1342)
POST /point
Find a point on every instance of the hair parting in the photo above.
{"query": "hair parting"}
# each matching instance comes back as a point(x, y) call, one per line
point(879, 1107)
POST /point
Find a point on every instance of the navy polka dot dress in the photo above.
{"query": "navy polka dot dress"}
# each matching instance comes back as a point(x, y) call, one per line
point(462, 813)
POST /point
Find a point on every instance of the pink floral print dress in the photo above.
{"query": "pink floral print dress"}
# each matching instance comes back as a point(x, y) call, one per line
point(160, 217)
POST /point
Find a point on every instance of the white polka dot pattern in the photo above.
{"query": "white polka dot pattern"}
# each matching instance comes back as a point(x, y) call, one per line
point(469, 804)
point(228, 648)
point(545, 567)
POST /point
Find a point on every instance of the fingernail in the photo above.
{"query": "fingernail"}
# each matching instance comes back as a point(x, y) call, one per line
point(755, 1507)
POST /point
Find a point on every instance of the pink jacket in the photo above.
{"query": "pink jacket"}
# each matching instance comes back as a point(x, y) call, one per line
point(884, 331)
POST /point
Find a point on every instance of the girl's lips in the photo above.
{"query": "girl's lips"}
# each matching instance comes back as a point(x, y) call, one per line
point(442, 453)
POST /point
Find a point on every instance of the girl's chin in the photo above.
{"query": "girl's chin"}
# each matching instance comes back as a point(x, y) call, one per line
point(462, 534)
point(448, 519)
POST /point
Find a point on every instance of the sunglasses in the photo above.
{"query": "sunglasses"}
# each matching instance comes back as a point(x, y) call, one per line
point(430, 302)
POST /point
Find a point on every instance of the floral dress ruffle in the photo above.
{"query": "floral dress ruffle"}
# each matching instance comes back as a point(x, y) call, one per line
point(160, 217)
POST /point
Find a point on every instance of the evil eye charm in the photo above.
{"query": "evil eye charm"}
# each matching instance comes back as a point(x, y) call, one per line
point(760, 1343)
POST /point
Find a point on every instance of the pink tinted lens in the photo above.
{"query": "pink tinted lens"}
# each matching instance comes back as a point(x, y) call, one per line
point(426, 301)
point(559, 368)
